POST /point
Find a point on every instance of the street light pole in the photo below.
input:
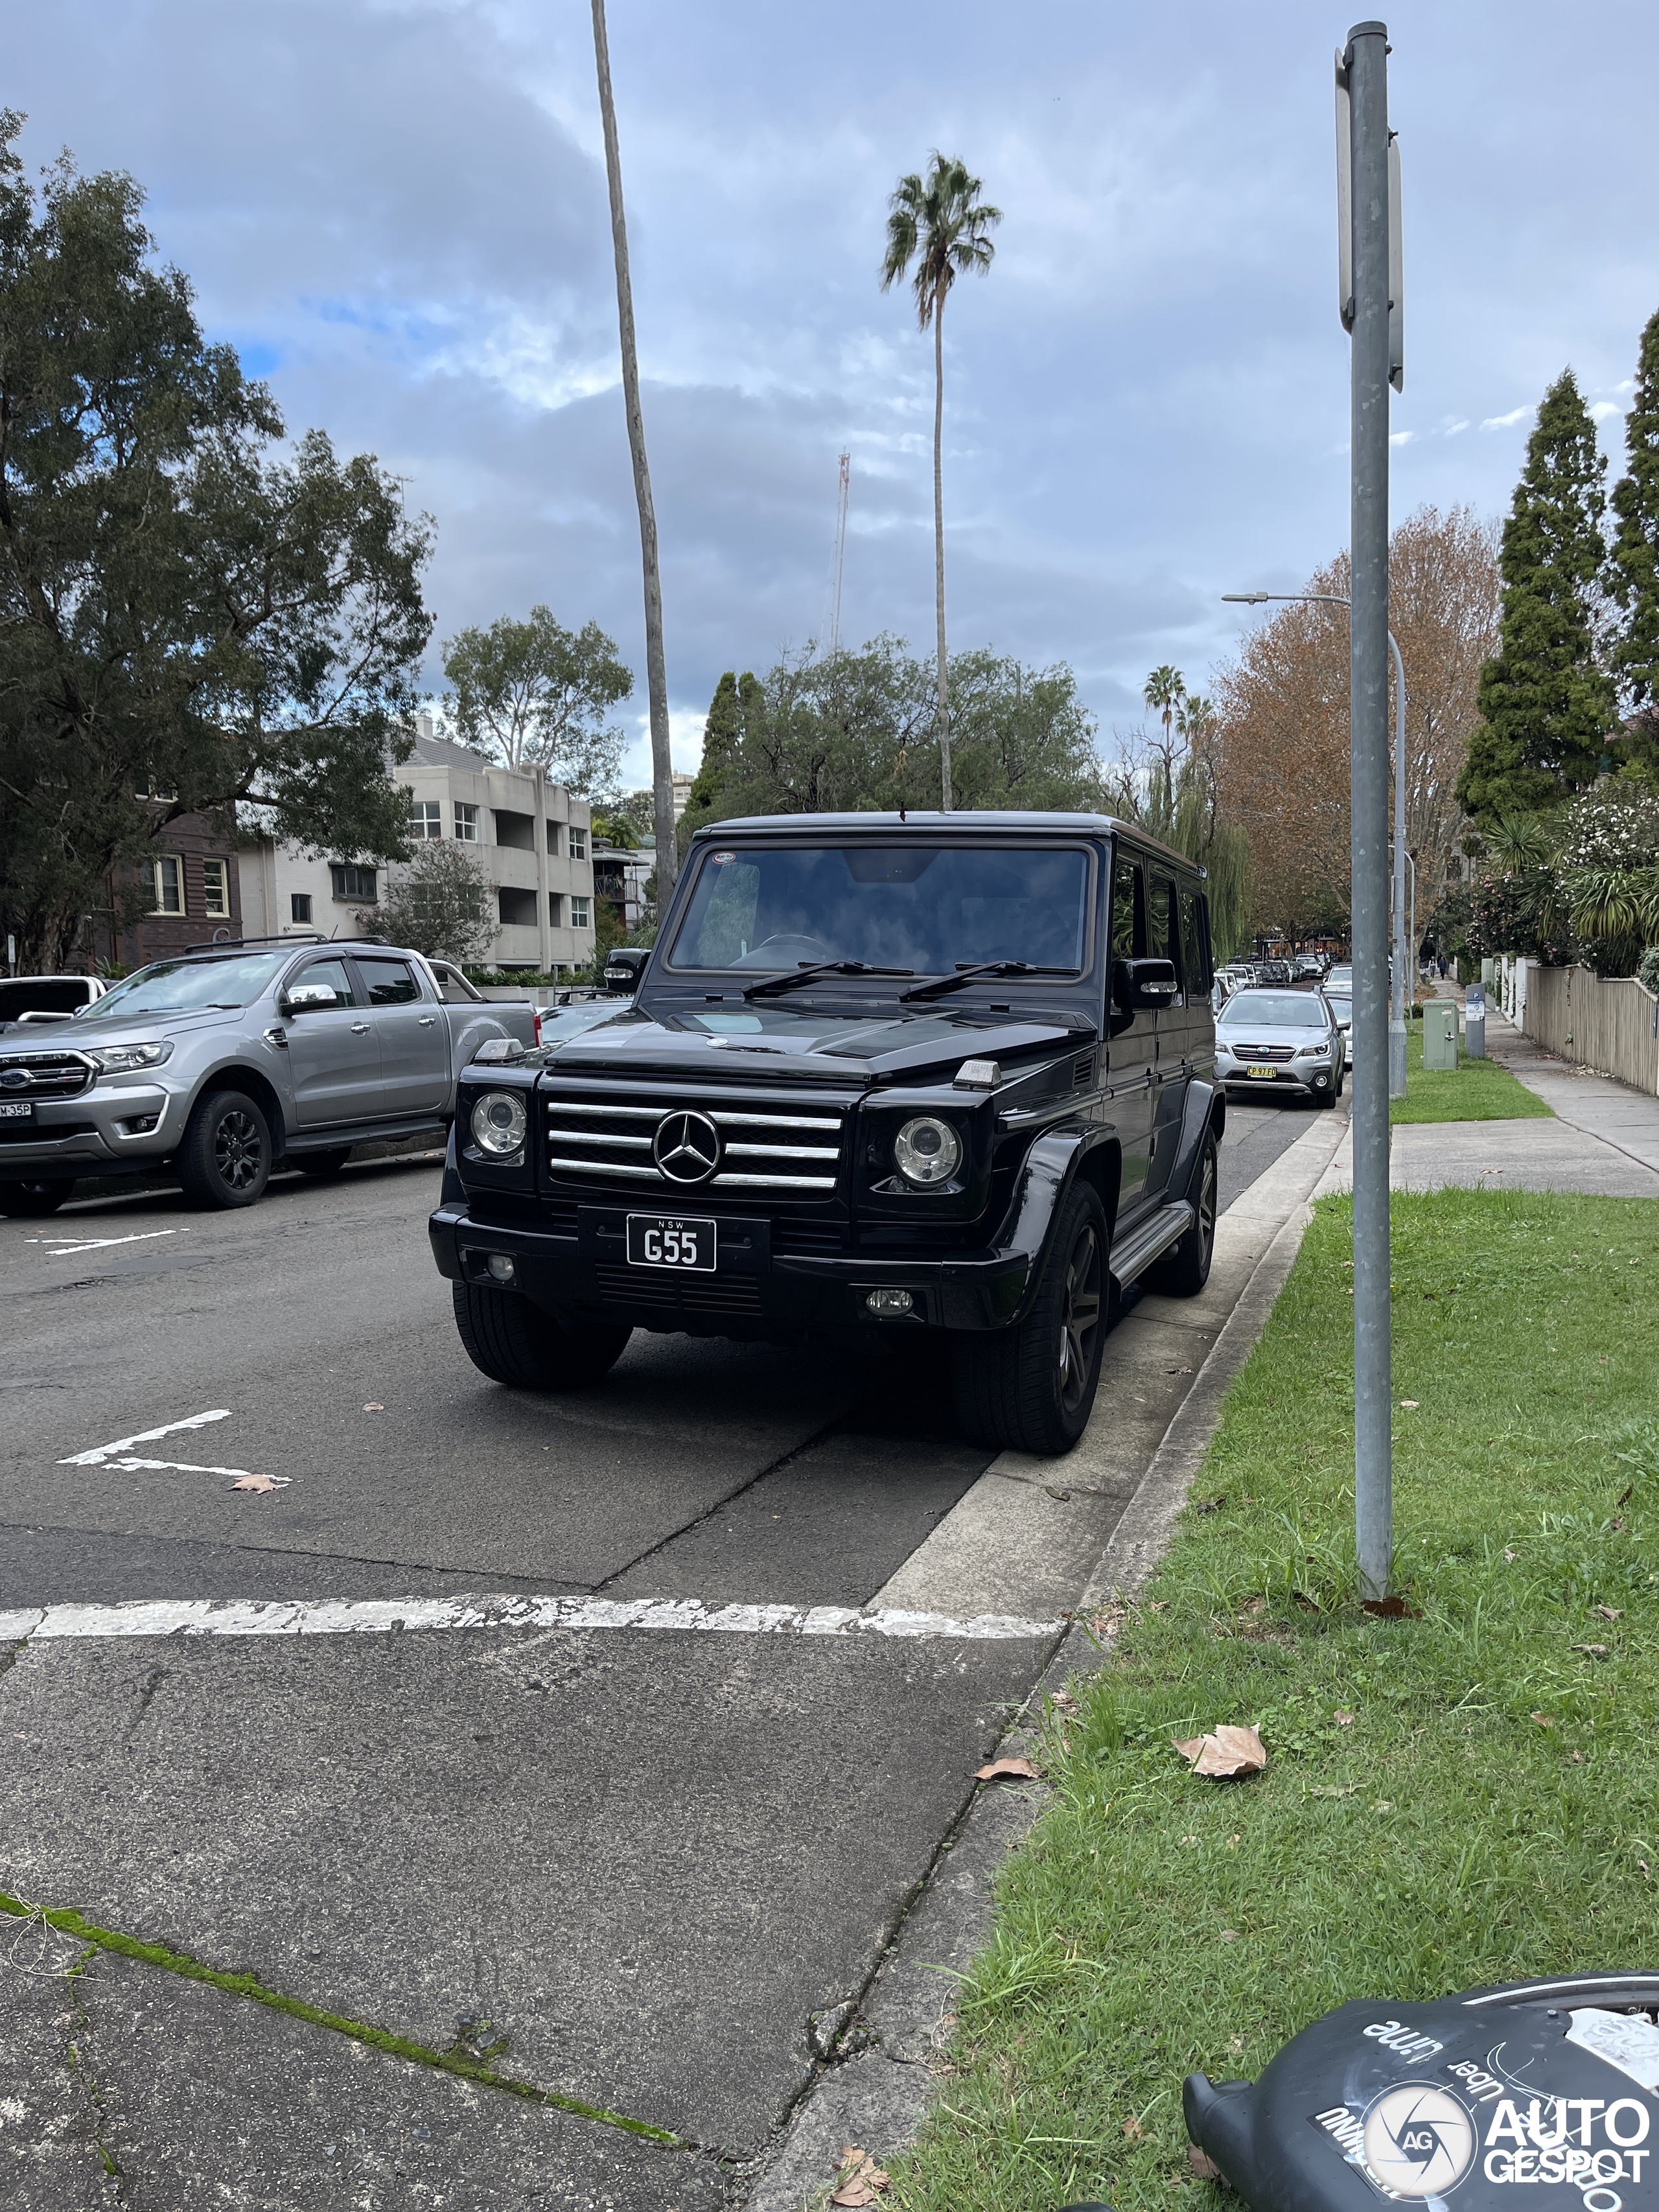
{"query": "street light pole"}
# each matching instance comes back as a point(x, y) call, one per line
point(1397, 1032)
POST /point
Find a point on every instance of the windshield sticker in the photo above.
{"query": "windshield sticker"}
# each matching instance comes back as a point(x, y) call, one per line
point(721, 860)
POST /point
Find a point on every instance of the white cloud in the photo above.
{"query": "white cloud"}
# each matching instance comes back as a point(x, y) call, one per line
point(1506, 422)
point(1456, 429)
point(1602, 408)
point(1402, 437)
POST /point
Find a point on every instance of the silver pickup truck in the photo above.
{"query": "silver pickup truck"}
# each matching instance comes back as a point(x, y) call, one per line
point(233, 1059)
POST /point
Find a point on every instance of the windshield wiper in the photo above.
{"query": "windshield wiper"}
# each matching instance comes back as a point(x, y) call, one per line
point(941, 984)
point(805, 975)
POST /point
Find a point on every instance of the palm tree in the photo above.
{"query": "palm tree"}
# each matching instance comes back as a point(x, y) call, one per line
point(940, 223)
point(656, 675)
point(1164, 689)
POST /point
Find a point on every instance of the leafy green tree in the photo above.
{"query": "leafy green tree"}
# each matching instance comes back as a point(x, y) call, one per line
point(439, 905)
point(1546, 707)
point(1633, 568)
point(534, 693)
point(940, 223)
point(178, 612)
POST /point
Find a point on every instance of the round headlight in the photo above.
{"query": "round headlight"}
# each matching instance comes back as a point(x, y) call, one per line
point(927, 1151)
point(498, 1123)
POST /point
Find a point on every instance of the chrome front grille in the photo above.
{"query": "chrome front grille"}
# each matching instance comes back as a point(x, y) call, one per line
point(1261, 1052)
point(792, 1147)
point(45, 1074)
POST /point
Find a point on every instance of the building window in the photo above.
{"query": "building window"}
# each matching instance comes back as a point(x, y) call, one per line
point(553, 839)
point(165, 885)
point(553, 909)
point(143, 789)
point(579, 911)
point(578, 843)
point(426, 819)
point(466, 824)
point(216, 887)
point(299, 906)
point(351, 882)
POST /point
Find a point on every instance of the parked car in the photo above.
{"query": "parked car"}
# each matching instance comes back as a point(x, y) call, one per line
point(1307, 968)
point(948, 1079)
point(30, 1000)
point(1341, 1005)
point(1280, 1043)
point(1274, 971)
point(229, 1060)
point(1339, 977)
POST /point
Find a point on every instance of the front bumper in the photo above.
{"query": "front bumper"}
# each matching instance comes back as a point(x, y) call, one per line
point(1304, 1081)
point(120, 1120)
point(753, 1293)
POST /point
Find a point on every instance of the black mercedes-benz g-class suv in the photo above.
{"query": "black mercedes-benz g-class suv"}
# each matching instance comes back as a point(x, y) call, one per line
point(951, 1072)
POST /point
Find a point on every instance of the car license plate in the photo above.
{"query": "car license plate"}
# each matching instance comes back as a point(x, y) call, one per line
point(669, 1240)
point(1269, 1072)
point(17, 1109)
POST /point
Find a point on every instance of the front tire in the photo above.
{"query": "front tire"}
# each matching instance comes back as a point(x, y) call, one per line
point(1185, 1268)
point(225, 1158)
point(514, 1342)
point(1032, 1388)
point(30, 1200)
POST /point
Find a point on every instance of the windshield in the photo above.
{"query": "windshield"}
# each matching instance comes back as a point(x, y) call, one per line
point(174, 987)
point(1273, 1010)
point(926, 909)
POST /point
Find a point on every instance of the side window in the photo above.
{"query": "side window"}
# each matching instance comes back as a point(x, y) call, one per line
point(1128, 910)
point(391, 983)
point(333, 973)
point(1161, 938)
point(1195, 941)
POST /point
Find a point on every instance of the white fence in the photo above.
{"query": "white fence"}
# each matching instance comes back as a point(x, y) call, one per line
point(1608, 1024)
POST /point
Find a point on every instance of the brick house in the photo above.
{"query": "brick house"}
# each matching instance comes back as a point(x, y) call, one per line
point(193, 890)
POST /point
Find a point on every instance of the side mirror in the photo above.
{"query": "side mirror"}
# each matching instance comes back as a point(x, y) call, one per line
point(306, 998)
point(1142, 986)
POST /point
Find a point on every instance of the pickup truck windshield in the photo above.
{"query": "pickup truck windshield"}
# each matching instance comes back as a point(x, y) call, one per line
point(924, 907)
point(175, 986)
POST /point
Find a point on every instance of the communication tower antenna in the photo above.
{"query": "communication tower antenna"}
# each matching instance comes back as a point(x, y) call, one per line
point(839, 561)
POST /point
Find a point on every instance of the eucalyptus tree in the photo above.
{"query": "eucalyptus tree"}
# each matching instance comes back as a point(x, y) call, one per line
point(939, 223)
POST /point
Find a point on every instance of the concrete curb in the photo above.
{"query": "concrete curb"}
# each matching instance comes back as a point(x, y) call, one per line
point(874, 2088)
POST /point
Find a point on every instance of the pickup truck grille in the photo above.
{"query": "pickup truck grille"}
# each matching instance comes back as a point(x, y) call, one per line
point(793, 1148)
point(45, 1074)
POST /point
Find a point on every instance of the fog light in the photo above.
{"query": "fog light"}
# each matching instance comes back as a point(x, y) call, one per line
point(501, 1267)
point(1320, 1081)
point(889, 1301)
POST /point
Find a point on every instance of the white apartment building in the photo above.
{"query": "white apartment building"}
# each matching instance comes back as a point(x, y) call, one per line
point(533, 839)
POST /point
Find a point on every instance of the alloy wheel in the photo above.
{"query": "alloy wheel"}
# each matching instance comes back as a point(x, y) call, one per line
point(1079, 1318)
point(238, 1151)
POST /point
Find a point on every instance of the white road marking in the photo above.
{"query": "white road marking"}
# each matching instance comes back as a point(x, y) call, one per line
point(380, 1616)
point(62, 1246)
point(119, 1456)
point(100, 1453)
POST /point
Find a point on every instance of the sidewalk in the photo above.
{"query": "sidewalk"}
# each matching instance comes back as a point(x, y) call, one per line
point(1604, 1140)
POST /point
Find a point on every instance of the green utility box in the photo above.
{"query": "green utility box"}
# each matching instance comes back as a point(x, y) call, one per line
point(1440, 1034)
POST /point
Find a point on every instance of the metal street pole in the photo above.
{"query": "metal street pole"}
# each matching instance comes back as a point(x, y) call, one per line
point(1365, 70)
point(1397, 1032)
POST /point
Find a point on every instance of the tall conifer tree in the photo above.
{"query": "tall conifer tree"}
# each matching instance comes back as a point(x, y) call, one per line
point(1546, 706)
point(1633, 574)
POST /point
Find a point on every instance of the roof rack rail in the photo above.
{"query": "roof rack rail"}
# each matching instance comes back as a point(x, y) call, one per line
point(224, 943)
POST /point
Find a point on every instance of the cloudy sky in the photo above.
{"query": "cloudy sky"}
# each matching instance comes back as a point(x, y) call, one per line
point(395, 210)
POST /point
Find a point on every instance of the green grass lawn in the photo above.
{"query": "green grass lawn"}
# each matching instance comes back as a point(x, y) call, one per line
point(1460, 1797)
point(1475, 1091)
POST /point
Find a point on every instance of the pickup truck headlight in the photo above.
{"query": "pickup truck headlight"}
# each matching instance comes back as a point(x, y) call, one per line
point(120, 1058)
point(499, 1122)
point(927, 1151)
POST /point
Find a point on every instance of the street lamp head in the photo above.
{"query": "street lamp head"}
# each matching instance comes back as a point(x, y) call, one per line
point(1246, 599)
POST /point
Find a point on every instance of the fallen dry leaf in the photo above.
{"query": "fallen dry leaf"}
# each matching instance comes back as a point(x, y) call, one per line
point(1595, 1651)
point(1411, 1404)
point(1229, 1935)
point(1018, 1770)
point(1542, 1719)
point(260, 1482)
point(1204, 2168)
point(1132, 2129)
point(1609, 1611)
point(1226, 1750)
point(1343, 1719)
point(1177, 1371)
point(1575, 1759)
point(859, 2179)
point(1064, 1497)
point(374, 1407)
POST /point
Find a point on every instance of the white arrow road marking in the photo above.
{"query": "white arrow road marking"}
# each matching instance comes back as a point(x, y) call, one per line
point(370, 1616)
point(65, 1246)
point(119, 1455)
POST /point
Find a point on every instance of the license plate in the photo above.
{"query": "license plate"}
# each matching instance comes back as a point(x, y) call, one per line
point(669, 1240)
point(17, 1109)
point(1270, 1074)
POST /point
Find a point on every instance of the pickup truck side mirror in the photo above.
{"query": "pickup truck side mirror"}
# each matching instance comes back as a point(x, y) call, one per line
point(1140, 985)
point(306, 998)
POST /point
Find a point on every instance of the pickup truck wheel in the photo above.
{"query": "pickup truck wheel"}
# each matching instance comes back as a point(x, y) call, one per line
point(225, 1158)
point(516, 1343)
point(322, 1164)
point(1032, 1388)
point(1185, 1268)
point(27, 1200)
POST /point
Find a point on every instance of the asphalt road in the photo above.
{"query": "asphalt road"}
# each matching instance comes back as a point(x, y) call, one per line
point(635, 1865)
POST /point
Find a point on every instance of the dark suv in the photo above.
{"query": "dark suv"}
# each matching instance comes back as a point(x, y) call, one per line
point(952, 1074)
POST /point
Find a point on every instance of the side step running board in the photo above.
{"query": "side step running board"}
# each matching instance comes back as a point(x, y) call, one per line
point(1135, 1251)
